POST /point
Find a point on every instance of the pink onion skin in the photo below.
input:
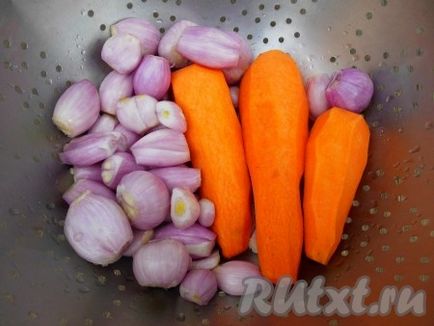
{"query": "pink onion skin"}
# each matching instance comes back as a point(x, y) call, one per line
point(92, 172)
point(152, 77)
point(90, 149)
point(230, 276)
point(140, 238)
point(207, 212)
point(97, 229)
point(209, 262)
point(83, 185)
point(127, 138)
point(198, 240)
point(185, 208)
point(113, 88)
point(77, 109)
point(122, 53)
point(105, 123)
point(179, 176)
point(233, 75)
point(209, 46)
point(201, 249)
point(193, 234)
point(350, 89)
point(161, 148)
point(115, 167)
point(169, 41)
point(148, 35)
point(199, 286)
point(137, 113)
point(316, 93)
point(171, 116)
point(145, 199)
point(162, 263)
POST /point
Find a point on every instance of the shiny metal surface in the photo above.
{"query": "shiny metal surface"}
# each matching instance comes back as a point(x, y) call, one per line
point(390, 231)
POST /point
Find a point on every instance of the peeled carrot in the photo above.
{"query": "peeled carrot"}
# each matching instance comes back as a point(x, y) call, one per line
point(336, 155)
point(274, 118)
point(216, 146)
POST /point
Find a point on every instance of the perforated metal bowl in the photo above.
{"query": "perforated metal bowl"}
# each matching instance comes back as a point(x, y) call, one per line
point(390, 231)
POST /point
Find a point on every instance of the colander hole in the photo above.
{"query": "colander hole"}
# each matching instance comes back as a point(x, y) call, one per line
point(359, 32)
point(43, 55)
point(236, 29)
point(91, 13)
point(383, 3)
point(369, 15)
point(281, 39)
point(379, 269)
point(249, 36)
point(353, 51)
point(257, 20)
point(367, 58)
point(333, 322)
point(222, 19)
point(424, 260)
point(369, 259)
point(385, 55)
point(180, 316)
point(7, 44)
point(102, 27)
point(261, 6)
point(302, 11)
point(296, 34)
point(276, 7)
point(398, 278)
point(35, 91)
point(162, 30)
point(155, 14)
point(24, 46)
point(178, 2)
point(244, 12)
point(265, 40)
point(332, 59)
point(43, 73)
point(272, 23)
point(233, 1)
point(293, 1)
point(288, 20)
point(59, 68)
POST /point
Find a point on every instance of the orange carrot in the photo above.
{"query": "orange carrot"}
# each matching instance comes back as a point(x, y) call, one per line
point(336, 155)
point(274, 118)
point(216, 146)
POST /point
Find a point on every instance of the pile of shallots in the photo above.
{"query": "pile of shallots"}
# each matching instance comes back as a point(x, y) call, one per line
point(133, 194)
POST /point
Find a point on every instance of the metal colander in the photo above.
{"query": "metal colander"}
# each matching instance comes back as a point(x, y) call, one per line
point(389, 236)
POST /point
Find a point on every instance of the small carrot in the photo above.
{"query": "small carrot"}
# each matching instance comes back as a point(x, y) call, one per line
point(336, 155)
point(216, 146)
point(274, 118)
